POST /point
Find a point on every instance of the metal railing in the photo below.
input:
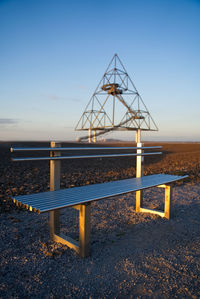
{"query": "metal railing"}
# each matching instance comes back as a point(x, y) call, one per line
point(55, 157)
point(58, 150)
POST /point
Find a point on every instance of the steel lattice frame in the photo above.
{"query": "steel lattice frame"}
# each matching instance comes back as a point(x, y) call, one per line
point(115, 87)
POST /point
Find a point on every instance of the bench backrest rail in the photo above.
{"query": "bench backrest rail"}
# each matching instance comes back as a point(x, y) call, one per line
point(19, 149)
point(55, 157)
point(83, 157)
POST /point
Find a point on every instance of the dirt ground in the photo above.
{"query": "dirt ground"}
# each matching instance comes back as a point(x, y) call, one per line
point(133, 255)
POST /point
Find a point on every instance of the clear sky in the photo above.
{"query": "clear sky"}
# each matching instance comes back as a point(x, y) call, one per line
point(54, 53)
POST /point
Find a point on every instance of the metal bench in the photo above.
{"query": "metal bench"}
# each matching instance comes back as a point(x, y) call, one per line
point(80, 198)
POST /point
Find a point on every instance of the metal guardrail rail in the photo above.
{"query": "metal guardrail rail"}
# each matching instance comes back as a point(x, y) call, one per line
point(60, 149)
point(20, 149)
point(82, 157)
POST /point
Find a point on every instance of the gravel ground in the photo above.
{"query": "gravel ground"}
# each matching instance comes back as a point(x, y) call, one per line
point(132, 255)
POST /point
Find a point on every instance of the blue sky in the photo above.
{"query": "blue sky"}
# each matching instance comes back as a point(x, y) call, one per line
point(54, 53)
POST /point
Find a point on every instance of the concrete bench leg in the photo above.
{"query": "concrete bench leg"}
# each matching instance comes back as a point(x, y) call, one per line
point(167, 208)
point(83, 246)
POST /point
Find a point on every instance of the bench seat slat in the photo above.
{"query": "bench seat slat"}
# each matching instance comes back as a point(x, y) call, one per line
point(48, 201)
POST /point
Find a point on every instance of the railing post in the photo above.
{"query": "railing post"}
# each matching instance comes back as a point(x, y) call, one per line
point(94, 137)
point(139, 162)
point(89, 135)
point(139, 170)
point(55, 166)
point(168, 201)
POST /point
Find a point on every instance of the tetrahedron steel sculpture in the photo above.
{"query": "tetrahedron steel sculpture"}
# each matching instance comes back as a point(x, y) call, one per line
point(115, 105)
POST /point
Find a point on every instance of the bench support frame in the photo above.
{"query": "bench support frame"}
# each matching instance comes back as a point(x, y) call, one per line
point(139, 194)
point(167, 205)
point(83, 246)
